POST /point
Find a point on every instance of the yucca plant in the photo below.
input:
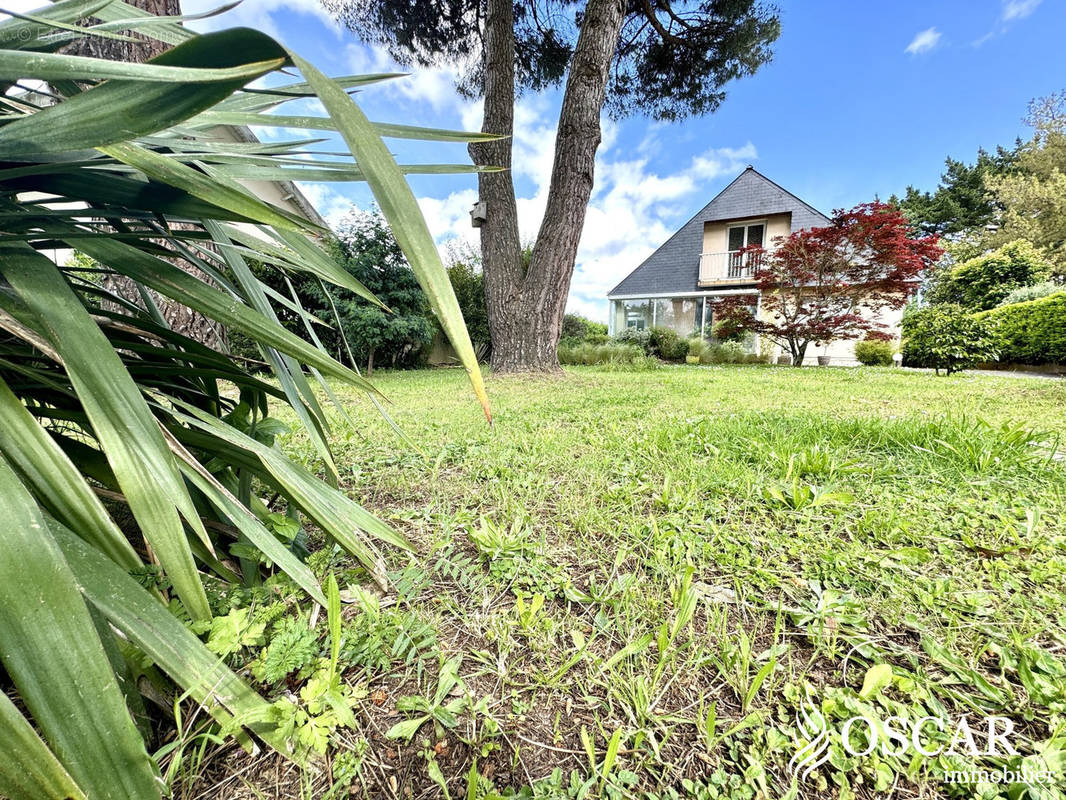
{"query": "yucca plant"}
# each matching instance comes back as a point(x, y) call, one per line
point(127, 449)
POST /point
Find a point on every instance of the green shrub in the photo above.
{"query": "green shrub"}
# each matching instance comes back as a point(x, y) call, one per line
point(1032, 332)
point(668, 345)
point(697, 347)
point(726, 330)
point(581, 328)
point(1026, 293)
point(983, 282)
point(729, 353)
point(468, 282)
point(635, 336)
point(874, 352)
point(946, 337)
point(612, 354)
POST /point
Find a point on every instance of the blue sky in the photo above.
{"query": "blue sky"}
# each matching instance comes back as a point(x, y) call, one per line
point(860, 100)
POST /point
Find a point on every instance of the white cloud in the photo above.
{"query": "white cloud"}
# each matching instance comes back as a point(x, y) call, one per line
point(255, 14)
point(1018, 9)
point(1012, 10)
point(327, 201)
point(449, 217)
point(924, 41)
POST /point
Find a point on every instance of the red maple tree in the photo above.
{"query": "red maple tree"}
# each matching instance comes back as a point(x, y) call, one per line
point(824, 284)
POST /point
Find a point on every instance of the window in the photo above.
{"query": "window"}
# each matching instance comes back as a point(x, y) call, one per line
point(741, 236)
point(746, 236)
point(680, 314)
point(631, 314)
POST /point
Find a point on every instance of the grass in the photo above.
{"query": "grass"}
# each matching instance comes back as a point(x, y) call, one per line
point(632, 582)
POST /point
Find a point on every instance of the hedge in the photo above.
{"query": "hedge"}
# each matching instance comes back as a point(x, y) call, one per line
point(1033, 332)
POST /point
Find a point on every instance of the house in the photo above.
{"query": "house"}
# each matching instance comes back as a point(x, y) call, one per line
point(677, 285)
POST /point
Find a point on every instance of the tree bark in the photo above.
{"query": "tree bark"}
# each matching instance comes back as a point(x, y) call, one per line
point(501, 248)
point(180, 318)
point(118, 50)
point(526, 307)
point(578, 138)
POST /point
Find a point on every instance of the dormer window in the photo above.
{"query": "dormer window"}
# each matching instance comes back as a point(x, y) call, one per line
point(741, 236)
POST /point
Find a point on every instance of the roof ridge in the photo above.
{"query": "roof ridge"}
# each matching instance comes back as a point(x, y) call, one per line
point(654, 259)
point(772, 182)
point(678, 232)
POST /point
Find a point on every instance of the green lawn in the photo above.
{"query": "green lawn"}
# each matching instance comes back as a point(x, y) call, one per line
point(644, 573)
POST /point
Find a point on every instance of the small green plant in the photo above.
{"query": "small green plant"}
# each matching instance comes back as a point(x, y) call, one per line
point(641, 337)
point(236, 630)
point(293, 647)
point(816, 461)
point(513, 557)
point(697, 347)
point(731, 351)
point(325, 701)
point(743, 668)
point(797, 496)
point(874, 352)
point(378, 637)
point(528, 615)
point(438, 708)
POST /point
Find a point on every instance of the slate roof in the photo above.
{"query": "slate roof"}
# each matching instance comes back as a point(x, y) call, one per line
point(675, 266)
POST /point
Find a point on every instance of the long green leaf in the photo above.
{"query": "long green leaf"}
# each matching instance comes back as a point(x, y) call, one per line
point(389, 130)
point(253, 529)
point(179, 285)
point(153, 26)
point(49, 647)
point(54, 67)
point(118, 111)
point(128, 434)
point(163, 638)
point(28, 768)
point(341, 173)
point(196, 183)
point(27, 33)
point(338, 515)
point(399, 206)
point(56, 481)
point(288, 373)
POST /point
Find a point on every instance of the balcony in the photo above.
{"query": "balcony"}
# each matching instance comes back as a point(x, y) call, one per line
point(732, 267)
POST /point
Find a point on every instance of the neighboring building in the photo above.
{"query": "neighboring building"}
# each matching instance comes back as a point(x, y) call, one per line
point(677, 285)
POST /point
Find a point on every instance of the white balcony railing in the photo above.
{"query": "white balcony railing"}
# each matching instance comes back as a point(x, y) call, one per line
point(729, 267)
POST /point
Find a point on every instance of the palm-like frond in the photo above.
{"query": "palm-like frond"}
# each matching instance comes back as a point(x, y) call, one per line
point(103, 406)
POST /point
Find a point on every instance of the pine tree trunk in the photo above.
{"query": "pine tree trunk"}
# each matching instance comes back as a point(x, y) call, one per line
point(118, 50)
point(501, 249)
point(526, 308)
point(578, 138)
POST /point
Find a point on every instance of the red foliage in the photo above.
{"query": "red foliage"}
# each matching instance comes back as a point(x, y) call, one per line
point(878, 336)
point(824, 284)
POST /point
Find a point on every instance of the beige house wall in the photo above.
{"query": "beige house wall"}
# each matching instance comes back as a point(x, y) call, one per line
point(715, 239)
point(841, 352)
